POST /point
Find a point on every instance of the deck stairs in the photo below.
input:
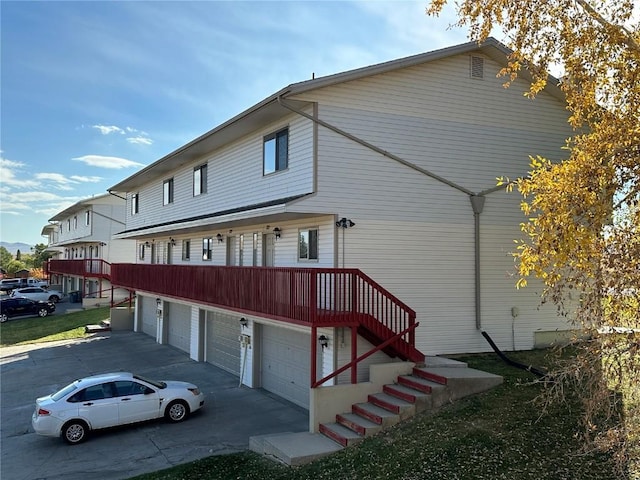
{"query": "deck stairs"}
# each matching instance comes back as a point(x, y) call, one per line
point(439, 382)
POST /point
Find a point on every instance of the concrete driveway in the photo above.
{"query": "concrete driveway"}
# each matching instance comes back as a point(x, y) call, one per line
point(231, 414)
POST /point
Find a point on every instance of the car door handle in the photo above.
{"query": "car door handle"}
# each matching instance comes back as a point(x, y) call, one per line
point(125, 399)
point(88, 404)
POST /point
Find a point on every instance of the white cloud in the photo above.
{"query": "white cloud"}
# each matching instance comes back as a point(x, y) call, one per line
point(107, 162)
point(107, 129)
point(8, 175)
point(140, 140)
point(85, 179)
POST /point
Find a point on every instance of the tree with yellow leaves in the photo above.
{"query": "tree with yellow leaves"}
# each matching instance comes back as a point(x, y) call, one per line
point(582, 233)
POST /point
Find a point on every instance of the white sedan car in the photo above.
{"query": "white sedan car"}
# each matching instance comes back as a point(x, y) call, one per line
point(38, 294)
point(112, 399)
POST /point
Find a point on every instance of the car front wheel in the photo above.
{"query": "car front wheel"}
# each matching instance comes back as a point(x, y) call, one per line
point(75, 432)
point(54, 299)
point(3, 317)
point(177, 411)
point(43, 312)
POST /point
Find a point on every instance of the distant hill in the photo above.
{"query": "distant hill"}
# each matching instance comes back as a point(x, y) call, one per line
point(14, 247)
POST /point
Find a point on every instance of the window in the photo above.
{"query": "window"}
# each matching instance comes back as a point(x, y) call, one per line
point(68, 224)
point(87, 218)
point(167, 192)
point(141, 253)
point(241, 253)
point(308, 244)
point(199, 180)
point(255, 250)
point(135, 204)
point(276, 152)
point(186, 250)
point(75, 222)
point(207, 248)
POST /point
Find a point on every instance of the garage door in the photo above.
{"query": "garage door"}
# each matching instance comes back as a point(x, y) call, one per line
point(179, 331)
point(222, 345)
point(285, 364)
point(148, 313)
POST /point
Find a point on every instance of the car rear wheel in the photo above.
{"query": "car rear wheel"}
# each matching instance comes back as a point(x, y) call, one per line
point(176, 411)
point(54, 298)
point(75, 432)
point(3, 317)
point(43, 312)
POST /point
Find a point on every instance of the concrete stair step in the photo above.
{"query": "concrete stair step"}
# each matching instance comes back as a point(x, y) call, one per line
point(420, 384)
point(359, 424)
point(421, 400)
point(376, 414)
point(340, 434)
point(431, 362)
point(460, 381)
point(393, 404)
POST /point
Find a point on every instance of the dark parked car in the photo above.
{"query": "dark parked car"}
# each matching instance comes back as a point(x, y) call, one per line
point(17, 307)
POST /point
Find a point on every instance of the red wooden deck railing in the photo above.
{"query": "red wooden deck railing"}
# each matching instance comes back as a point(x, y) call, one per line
point(316, 297)
point(89, 268)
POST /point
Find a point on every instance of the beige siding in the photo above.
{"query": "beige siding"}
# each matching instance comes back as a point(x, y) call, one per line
point(414, 234)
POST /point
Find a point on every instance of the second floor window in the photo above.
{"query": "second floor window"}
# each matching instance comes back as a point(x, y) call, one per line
point(68, 225)
point(199, 180)
point(207, 248)
point(167, 192)
point(75, 222)
point(135, 205)
point(276, 152)
point(87, 218)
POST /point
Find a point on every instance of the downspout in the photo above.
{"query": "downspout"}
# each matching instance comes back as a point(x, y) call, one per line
point(477, 203)
point(477, 199)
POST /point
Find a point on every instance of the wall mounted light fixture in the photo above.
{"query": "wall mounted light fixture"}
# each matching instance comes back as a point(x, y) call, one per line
point(244, 322)
point(220, 238)
point(158, 302)
point(172, 241)
point(277, 232)
point(345, 223)
point(147, 244)
point(323, 341)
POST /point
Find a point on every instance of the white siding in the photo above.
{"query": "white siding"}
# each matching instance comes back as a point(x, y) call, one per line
point(235, 178)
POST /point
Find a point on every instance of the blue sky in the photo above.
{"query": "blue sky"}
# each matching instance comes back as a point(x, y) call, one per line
point(93, 91)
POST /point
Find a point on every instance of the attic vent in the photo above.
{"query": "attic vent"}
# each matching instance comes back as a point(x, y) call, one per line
point(477, 67)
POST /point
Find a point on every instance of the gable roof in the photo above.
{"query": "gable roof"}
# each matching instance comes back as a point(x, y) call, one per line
point(269, 109)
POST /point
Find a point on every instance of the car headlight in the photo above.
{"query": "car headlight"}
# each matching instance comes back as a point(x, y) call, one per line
point(195, 391)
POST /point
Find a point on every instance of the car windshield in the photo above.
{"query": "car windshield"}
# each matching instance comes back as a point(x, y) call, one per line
point(152, 382)
point(64, 392)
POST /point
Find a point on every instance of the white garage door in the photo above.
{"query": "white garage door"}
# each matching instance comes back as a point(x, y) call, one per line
point(223, 347)
point(179, 331)
point(285, 364)
point(149, 315)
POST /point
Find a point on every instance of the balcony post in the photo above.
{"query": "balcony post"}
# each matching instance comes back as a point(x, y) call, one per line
point(314, 354)
point(354, 354)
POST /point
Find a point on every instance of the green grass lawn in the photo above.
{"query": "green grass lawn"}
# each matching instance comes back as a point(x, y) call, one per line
point(54, 327)
point(500, 434)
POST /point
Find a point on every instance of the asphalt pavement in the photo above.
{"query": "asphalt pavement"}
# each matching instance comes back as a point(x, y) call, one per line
point(231, 414)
